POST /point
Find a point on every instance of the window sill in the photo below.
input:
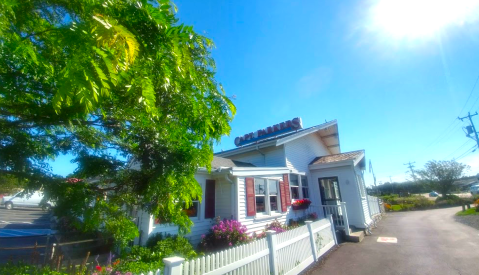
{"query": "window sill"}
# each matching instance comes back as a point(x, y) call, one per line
point(267, 217)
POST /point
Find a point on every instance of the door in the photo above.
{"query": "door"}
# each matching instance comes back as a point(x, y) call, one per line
point(329, 189)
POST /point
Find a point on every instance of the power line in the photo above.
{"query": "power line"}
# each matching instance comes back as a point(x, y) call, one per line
point(471, 129)
point(459, 148)
point(448, 132)
point(470, 150)
point(470, 94)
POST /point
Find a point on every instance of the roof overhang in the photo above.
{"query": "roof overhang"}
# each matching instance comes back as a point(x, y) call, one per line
point(360, 160)
point(247, 171)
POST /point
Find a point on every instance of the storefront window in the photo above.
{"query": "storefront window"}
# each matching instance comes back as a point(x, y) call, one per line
point(304, 186)
point(259, 190)
point(294, 186)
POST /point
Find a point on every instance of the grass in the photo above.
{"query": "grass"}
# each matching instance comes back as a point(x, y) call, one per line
point(399, 207)
point(471, 211)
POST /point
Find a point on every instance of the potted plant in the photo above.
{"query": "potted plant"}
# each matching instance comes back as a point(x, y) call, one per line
point(301, 204)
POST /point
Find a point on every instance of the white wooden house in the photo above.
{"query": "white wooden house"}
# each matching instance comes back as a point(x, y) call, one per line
point(258, 182)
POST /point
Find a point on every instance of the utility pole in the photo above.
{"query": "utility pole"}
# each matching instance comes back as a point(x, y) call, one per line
point(472, 129)
point(411, 166)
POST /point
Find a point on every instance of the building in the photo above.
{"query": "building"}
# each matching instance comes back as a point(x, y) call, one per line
point(259, 181)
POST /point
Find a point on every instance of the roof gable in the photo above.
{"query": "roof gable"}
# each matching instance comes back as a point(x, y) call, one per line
point(327, 131)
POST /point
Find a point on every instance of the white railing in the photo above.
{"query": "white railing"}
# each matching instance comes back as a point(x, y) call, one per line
point(285, 253)
point(338, 212)
point(374, 205)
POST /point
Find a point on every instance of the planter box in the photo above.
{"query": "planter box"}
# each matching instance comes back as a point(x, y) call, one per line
point(300, 207)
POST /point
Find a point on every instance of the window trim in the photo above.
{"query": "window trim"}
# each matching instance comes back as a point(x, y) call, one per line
point(300, 186)
point(267, 203)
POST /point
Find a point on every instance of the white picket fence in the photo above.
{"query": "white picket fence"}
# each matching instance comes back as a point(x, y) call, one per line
point(374, 205)
point(286, 253)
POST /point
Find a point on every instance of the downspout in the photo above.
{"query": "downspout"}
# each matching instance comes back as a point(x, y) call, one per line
point(264, 156)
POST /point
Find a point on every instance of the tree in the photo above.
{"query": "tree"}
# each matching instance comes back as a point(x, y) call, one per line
point(440, 175)
point(117, 84)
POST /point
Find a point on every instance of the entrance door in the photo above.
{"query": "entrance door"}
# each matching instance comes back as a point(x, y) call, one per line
point(329, 189)
point(330, 195)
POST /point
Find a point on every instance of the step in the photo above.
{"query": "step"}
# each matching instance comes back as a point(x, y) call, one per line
point(355, 237)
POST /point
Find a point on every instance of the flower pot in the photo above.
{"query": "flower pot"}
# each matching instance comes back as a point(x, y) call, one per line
point(300, 207)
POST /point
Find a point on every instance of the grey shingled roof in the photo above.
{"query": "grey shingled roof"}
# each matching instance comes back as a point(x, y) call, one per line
point(224, 162)
point(337, 157)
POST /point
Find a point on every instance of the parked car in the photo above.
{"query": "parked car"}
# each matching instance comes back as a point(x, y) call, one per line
point(25, 200)
point(474, 189)
point(433, 194)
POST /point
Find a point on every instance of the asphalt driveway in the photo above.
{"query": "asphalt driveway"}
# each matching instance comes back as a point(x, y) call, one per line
point(20, 228)
point(428, 242)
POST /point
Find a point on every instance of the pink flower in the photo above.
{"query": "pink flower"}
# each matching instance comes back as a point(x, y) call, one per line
point(230, 244)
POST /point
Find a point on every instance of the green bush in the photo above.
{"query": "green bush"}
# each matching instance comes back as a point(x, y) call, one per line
point(143, 259)
point(155, 238)
point(451, 200)
point(413, 203)
point(26, 269)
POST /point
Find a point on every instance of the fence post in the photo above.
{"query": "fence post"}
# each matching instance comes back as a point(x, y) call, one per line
point(345, 218)
point(173, 266)
point(311, 240)
point(330, 217)
point(273, 265)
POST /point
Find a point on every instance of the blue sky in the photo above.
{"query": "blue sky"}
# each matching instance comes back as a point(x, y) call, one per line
point(395, 85)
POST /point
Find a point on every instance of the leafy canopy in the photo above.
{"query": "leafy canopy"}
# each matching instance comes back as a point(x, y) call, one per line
point(440, 175)
point(118, 84)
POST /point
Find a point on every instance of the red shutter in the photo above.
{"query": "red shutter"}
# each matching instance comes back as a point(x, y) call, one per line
point(250, 198)
point(210, 199)
point(283, 197)
point(286, 189)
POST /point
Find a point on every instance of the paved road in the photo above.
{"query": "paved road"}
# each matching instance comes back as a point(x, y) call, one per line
point(21, 228)
point(24, 218)
point(428, 242)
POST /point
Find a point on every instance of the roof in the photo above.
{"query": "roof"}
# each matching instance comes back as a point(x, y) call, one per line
point(224, 162)
point(327, 131)
point(338, 157)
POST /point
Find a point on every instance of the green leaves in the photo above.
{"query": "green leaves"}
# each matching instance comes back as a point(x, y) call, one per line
point(111, 84)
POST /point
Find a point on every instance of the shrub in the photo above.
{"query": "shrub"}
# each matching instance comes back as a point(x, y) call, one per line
point(26, 269)
point(155, 238)
point(143, 259)
point(224, 234)
point(450, 200)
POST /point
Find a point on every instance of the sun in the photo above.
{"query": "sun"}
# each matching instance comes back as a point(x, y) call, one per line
point(411, 19)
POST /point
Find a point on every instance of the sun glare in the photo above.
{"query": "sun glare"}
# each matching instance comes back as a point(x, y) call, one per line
point(410, 19)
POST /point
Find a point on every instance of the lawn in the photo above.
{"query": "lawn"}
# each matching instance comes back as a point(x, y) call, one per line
point(471, 211)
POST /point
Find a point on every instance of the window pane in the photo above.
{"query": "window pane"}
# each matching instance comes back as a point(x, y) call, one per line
point(259, 186)
point(294, 192)
point(328, 187)
point(273, 187)
point(260, 207)
point(305, 193)
point(304, 181)
point(293, 180)
point(273, 200)
point(193, 210)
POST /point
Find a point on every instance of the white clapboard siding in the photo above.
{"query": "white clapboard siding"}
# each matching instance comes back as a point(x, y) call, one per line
point(295, 250)
point(300, 152)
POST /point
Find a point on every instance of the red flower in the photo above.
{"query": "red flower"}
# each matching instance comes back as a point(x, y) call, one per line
point(98, 268)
